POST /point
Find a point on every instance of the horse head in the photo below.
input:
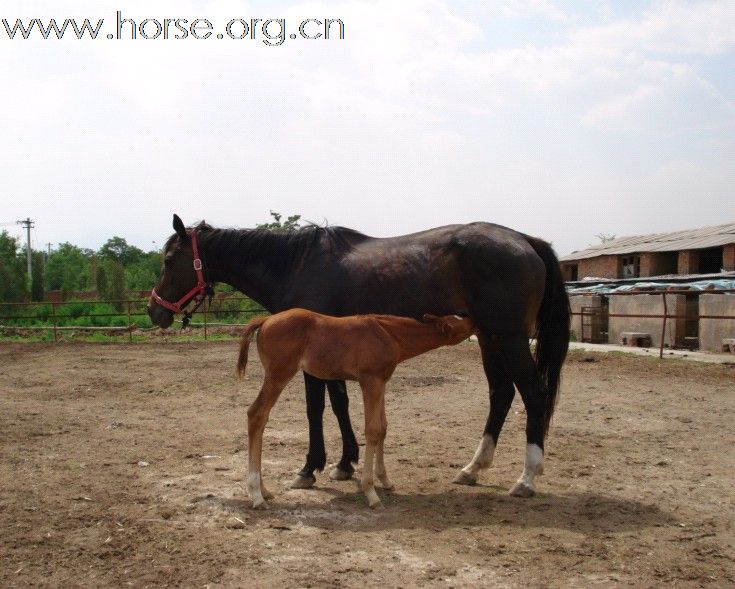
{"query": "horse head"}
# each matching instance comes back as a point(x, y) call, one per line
point(453, 326)
point(182, 277)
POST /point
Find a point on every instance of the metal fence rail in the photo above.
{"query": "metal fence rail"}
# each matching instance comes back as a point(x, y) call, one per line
point(131, 310)
point(665, 316)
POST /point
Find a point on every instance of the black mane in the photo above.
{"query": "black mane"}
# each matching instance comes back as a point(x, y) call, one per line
point(283, 248)
point(280, 243)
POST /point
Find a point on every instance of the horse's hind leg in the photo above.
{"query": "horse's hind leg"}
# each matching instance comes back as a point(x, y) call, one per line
point(350, 451)
point(501, 398)
point(316, 458)
point(521, 365)
point(258, 414)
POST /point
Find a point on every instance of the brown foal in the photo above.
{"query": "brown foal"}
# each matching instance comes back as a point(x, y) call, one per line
point(365, 348)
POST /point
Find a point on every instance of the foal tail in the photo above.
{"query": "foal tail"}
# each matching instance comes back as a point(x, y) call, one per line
point(247, 335)
point(552, 325)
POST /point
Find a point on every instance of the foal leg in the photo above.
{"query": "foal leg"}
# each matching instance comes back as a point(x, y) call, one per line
point(380, 471)
point(258, 414)
point(350, 451)
point(316, 458)
point(522, 367)
point(372, 394)
point(501, 398)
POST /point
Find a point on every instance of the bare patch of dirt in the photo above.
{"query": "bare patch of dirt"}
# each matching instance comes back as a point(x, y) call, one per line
point(124, 465)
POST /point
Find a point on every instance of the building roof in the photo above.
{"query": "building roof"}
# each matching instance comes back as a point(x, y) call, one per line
point(690, 239)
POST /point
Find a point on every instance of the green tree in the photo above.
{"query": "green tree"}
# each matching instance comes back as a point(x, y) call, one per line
point(143, 274)
point(291, 222)
point(37, 276)
point(117, 290)
point(100, 280)
point(12, 270)
point(118, 250)
point(67, 269)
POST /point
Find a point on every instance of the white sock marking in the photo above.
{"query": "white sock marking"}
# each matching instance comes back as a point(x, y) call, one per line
point(534, 465)
point(483, 457)
point(254, 488)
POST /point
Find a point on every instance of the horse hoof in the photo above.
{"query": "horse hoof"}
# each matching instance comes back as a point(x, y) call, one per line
point(301, 482)
point(266, 494)
point(377, 505)
point(464, 478)
point(338, 474)
point(521, 489)
point(388, 485)
point(260, 505)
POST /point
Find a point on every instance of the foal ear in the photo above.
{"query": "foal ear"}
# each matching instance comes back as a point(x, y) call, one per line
point(179, 227)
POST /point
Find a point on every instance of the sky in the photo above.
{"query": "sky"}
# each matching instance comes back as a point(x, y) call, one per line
point(562, 119)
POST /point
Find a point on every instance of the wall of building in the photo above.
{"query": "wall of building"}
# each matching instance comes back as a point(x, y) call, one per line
point(658, 263)
point(713, 331)
point(576, 303)
point(648, 304)
point(728, 257)
point(599, 267)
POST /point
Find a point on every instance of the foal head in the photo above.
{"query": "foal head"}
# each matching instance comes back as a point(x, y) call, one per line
point(178, 280)
point(454, 327)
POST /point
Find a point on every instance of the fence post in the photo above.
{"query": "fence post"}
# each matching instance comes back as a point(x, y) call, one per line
point(130, 326)
point(663, 328)
point(205, 323)
point(53, 313)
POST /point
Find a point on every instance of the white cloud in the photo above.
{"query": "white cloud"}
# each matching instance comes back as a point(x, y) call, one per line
point(672, 26)
point(413, 110)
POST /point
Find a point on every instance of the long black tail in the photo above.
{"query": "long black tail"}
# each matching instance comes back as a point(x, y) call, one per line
point(552, 336)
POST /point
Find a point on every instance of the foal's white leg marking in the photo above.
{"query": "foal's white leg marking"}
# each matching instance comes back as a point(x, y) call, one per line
point(380, 471)
point(254, 488)
point(368, 483)
point(482, 459)
point(533, 466)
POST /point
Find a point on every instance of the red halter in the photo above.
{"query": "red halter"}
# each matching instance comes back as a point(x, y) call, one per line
point(198, 293)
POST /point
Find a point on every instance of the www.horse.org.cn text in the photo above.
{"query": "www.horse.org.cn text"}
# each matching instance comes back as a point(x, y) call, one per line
point(270, 31)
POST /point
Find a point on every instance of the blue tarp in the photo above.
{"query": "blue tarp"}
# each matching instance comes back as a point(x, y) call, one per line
point(699, 285)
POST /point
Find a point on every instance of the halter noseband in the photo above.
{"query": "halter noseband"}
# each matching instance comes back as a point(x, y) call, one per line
point(198, 293)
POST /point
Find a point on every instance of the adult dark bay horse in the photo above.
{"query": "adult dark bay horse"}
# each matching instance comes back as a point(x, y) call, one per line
point(509, 283)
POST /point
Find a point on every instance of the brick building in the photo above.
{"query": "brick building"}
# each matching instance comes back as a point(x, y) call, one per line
point(708, 250)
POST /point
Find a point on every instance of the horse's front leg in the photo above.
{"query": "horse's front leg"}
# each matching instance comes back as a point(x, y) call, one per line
point(350, 451)
point(316, 458)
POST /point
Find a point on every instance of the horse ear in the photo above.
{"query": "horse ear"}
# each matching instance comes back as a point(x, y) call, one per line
point(429, 318)
point(179, 227)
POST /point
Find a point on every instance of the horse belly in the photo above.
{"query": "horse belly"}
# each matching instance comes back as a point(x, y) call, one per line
point(332, 363)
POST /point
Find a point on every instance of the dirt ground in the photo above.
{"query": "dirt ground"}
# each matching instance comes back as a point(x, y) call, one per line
point(124, 465)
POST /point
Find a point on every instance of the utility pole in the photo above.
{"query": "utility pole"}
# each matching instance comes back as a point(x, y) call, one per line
point(27, 223)
point(48, 245)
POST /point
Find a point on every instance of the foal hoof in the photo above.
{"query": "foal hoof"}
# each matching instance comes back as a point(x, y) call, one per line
point(260, 504)
point(338, 474)
point(464, 478)
point(521, 489)
point(301, 482)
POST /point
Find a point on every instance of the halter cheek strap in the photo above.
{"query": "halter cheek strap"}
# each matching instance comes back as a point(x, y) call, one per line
point(198, 293)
